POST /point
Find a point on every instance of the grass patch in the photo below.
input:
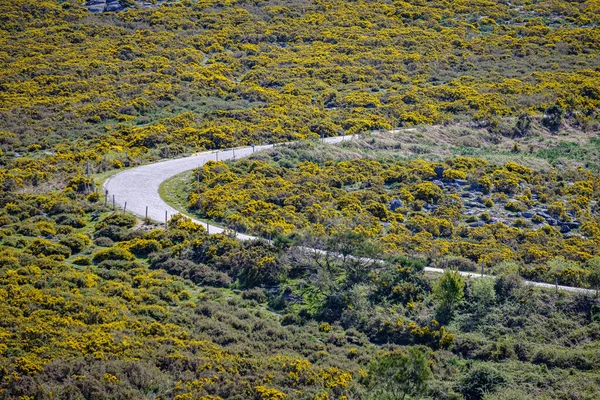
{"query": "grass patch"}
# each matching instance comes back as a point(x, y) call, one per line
point(174, 191)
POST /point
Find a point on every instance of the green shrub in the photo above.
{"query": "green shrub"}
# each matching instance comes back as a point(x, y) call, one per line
point(113, 253)
point(64, 229)
point(488, 202)
point(82, 260)
point(485, 216)
point(115, 233)
point(117, 219)
point(515, 206)
point(143, 247)
point(76, 242)
point(70, 220)
point(538, 219)
point(256, 294)
point(481, 380)
point(28, 230)
point(104, 242)
point(48, 248)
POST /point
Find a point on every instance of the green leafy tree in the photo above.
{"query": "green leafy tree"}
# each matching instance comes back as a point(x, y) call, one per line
point(480, 380)
point(563, 271)
point(448, 292)
point(483, 293)
point(523, 125)
point(356, 253)
point(398, 374)
point(553, 117)
point(593, 277)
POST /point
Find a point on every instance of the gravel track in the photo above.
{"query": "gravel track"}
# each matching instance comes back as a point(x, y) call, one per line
point(138, 188)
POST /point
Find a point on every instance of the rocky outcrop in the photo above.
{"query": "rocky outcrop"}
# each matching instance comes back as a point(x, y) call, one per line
point(95, 6)
point(113, 6)
point(100, 6)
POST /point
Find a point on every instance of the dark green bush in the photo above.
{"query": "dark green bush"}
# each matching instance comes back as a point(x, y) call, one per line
point(48, 248)
point(113, 253)
point(70, 220)
point(76, 242)
point(480, 380)
point(115, 233)
point(82, 260)
point(256, 294)
point(117, 219)
point(104, 241)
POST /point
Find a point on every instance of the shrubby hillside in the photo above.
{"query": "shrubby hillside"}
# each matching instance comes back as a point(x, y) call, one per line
point(116, 88)
point(96, 304)
point(462, 211)
point(500, 173)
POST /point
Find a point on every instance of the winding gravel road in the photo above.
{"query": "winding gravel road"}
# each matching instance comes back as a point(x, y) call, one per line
point(138, 187)
point(138, 190)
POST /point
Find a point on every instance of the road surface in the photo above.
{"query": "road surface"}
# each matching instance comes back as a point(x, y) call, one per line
point(137, 189)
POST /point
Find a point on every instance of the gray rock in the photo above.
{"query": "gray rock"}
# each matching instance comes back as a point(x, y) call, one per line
point(439, 171)
point(461, 182)
point(354, 340)
point(551, 221)
point(477, 224)
point(565, 228)
point(395, 204)
point(96, 6)
point(113, 6)
point(527, 214)
point(475, 187)
point(573, 225)
point(438, 183)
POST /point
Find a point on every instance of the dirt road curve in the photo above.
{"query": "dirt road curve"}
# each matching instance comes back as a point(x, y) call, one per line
point(138, 188)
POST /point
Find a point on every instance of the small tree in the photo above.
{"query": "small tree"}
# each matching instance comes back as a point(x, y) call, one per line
point(356, 253)
point(448, 291)
point(553, 117)
point(565, 271)
point(480, 380)
point(523, 125)
point(483, 292)
point(594, 273)
point(398, 374)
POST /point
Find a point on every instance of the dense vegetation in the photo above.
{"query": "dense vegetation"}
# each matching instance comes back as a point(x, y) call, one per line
point(96, 303)
point(143, 312)
point(463, 211)
point(117, 88)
